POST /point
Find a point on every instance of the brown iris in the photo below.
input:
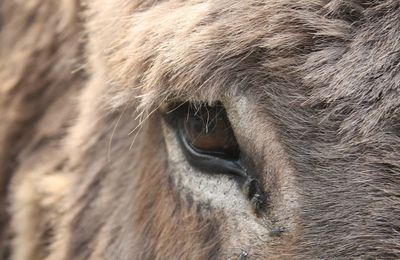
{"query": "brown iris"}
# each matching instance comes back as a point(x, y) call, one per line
point(207, 130)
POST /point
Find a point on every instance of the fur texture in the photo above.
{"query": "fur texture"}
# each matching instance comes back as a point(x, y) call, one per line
point(86, 171)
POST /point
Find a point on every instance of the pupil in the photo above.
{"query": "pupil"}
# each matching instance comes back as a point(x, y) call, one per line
point(211, 126)
point(197, 125)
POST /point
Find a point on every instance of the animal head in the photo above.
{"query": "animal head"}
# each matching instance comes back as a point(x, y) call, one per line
point(231, 130)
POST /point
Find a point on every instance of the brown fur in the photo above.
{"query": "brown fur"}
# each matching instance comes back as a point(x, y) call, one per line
point(77, 78)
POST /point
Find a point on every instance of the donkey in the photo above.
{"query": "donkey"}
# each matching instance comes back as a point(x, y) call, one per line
point(220, 129)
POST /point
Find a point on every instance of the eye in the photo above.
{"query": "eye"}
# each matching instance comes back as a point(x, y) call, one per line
point(206, 137)
point(209, 144)
point(208, 130)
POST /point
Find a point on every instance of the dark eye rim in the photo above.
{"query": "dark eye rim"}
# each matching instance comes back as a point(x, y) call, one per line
point(208, 161)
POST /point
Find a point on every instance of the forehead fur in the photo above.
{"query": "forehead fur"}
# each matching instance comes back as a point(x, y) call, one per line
point(201, 49)
point(337, 57)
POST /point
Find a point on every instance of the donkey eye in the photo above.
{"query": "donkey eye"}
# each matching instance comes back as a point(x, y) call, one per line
point(209, 144)
point(207, 130)
point(206, 137)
